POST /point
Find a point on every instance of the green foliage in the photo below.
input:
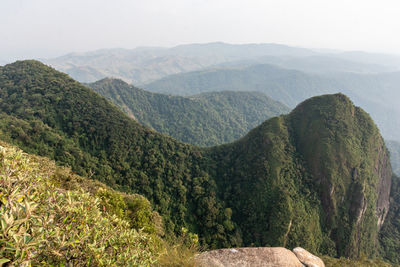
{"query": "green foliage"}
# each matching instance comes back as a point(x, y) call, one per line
point(139, 213)
point(112, 202)
point(42, 224)
point(207, 119)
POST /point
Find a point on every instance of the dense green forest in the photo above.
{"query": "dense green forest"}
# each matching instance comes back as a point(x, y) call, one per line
point(205, 120)
point(47, 113)
point(318, 177)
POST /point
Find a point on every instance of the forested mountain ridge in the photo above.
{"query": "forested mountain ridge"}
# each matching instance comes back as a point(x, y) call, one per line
point(206, 119)
point(319, 176)
point(47, 113)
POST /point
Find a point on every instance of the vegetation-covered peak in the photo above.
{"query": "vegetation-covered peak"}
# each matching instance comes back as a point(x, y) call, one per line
point(329, 101)
point(110, 80)
point(326, 153)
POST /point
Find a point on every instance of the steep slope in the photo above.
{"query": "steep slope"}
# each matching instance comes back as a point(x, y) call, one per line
point(376, 93)
point(319, 177)
point(207, 119)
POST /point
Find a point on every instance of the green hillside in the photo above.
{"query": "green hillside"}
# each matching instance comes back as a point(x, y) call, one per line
point(318, 177)
point(47, 113)
point(206, 119)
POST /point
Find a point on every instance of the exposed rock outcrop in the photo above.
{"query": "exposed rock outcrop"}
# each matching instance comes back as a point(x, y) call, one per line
point(307, 258)
point(258, 257)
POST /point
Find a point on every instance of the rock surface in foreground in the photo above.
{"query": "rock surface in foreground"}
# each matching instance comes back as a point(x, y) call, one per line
point(246, 257)
point(307, 258)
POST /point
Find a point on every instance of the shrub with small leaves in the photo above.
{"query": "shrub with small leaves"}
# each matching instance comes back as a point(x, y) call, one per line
point(42, 224)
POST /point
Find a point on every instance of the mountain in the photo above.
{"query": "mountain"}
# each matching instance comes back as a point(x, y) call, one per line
point(376, 93)
point(370, 58)
point(143, 65)
point(206, 119)
point(319, 63)
point(237, 51)
point(322, 169)
point(287, 86)
point(319, 176)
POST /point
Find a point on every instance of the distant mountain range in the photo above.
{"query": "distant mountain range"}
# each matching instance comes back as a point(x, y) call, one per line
point(206, 119)
point(293, 75)
point(142, 65)
point(378, 93)
point(146, 64)
point(320, 63)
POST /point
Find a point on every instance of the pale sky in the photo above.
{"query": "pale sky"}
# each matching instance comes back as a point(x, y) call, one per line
point(47, 28)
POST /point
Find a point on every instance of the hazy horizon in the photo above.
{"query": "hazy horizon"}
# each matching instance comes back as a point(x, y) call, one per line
point(48, 28)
